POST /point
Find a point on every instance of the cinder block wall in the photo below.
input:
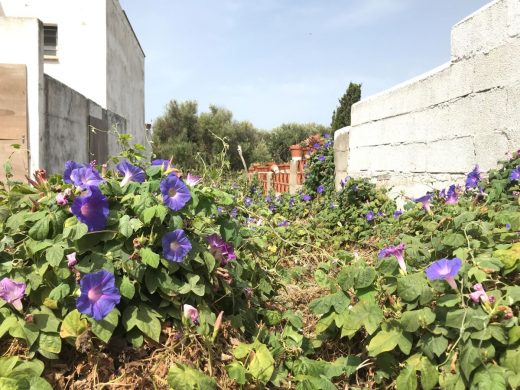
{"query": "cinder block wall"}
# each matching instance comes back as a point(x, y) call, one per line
point(431, 130)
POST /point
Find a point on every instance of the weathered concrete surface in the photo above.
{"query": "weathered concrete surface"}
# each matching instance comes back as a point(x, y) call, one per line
point(432, 130)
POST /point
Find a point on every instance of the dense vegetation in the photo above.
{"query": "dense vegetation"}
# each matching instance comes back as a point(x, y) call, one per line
point(148, 277)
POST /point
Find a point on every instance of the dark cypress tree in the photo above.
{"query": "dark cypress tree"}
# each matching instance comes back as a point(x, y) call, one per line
point(341, 116)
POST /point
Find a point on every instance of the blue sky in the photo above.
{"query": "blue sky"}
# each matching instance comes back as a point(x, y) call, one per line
point(277, 61)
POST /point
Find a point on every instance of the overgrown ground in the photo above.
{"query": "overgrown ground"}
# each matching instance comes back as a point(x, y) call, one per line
point(328, 289)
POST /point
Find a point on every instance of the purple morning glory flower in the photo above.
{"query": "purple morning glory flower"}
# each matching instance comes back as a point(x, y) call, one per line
point(220, 249)
point(12, 292)
point(220, 209)
point(166, 164)
point(306, 197)
point(326, 135)
point(380, 213)
point(344, 181)
point(248, 201)
point(85, 177)
point(272, 208)
point(69, 167)
point(91, 208)
point(193, 180)
point(425, 200)
point(473, 178)
point(450, 196)
point(175, 193)
point(233, 213)
point(320, 189)
point(508, 226)
point(175, 245)
point(99, 294)
point(284, 223)
point(316, 146)
point(332, 205)
point(369, 216)
point(328, 144)
point(130, 172)
point(321, 157)
point(515, 174)
point(398, 213)
point(397, 251)
point(445, 269)
point(268, 199)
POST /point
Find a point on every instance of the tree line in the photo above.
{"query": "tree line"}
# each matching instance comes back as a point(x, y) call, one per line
point(192, 138)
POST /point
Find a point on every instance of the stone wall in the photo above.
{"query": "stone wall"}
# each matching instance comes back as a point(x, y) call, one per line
point(432, 130)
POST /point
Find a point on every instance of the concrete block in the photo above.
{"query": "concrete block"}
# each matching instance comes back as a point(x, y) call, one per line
point(454, 155)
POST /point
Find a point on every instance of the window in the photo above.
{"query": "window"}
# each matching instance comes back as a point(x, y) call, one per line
point(50, 41)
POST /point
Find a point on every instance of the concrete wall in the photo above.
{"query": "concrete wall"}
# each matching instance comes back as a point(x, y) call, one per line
point(125, 71)
point(432, 130)
point(29, 37)
point(67, 134)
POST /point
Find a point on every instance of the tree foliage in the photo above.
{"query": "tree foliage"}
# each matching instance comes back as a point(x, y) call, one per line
point(187, 136)
point(282, 137)
point(341, 116)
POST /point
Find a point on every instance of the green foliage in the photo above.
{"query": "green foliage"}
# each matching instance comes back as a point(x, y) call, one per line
point(341, 116)
point(191, 138)
point(282, 137)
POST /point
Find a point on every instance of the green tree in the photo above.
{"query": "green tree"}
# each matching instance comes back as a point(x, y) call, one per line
point(282, 137)
point(341, 116)
point(183, 134)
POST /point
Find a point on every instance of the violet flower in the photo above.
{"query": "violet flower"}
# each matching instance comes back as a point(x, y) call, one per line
point(165, 164)
point(291, 203)
point(99, 294)
point(130, 172)
point(191, 313)
point(326, 135)
point(321, 157)
point(85, 177)
point(425, 200)
point(234, 213)
point(284, 223)
point(316, 146)
point(175, 193)
point(12, 292)
point(445, 269)
point(306, 198)
point(473, 178)
point(515, 174)
point(91, 208)
point(369, 216)
point(320, 189)
point(248, 201)
point(69, 167)
point(175, 245)
point(397, 251)
point(220, 249)
point(480, 294)
point(450, 196)
point(397, 213)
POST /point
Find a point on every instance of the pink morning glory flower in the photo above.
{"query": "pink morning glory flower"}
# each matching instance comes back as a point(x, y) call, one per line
point(99, 294)
point(191, 313)
point(397, 251)
point(479, 294)
point(12, 292)
point(220, 249)
point(193, 180)
point(445, 269)
point(61, 199)
point(71, 260)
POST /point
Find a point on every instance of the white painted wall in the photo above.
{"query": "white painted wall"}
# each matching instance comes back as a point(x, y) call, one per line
point(29, 37)
point(82, 46)
point(432, 130)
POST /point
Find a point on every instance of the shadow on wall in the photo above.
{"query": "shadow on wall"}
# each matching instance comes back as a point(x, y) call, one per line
point(1, 11)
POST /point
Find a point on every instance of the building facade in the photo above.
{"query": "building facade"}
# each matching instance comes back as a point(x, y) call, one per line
point(83, 67)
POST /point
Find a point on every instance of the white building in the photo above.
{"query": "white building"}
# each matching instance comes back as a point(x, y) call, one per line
point(84, 66)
